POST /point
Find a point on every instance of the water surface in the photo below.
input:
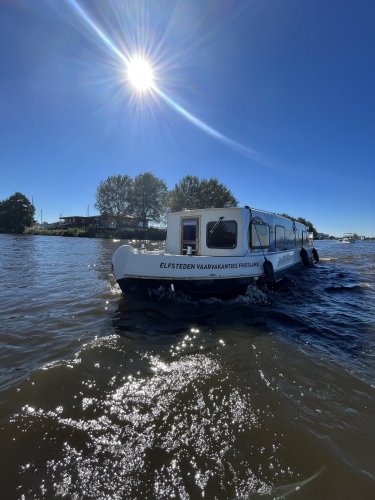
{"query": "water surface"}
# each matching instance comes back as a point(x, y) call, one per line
point(103, 396)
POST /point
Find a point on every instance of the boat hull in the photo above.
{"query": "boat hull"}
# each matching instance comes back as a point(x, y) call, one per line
point(148, 274)
point(195, 288)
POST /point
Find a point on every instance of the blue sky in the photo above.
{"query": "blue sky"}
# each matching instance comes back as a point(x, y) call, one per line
point(274, 98)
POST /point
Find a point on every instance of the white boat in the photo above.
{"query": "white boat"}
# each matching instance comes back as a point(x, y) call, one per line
point(348, 238)
point(215, 252)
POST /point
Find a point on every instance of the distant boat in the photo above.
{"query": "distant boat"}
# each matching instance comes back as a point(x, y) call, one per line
point(216, 252)
point(347, 238)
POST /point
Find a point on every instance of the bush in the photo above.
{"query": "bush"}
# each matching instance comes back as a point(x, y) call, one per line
point(92, 232)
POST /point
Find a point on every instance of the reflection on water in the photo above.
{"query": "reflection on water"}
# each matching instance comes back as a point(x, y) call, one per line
point(167, 424)
point(264, 396)
point(51, 300)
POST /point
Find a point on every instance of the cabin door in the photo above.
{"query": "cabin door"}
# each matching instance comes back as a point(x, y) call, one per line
point(189, 236)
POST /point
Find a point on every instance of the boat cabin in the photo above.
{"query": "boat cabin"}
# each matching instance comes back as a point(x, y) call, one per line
point(231, 232)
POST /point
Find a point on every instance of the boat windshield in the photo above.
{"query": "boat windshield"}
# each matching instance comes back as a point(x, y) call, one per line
point(221, 235)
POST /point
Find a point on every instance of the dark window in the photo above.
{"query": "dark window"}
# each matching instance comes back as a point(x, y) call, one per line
point(189, 232)
point(298, 238)
point(259, 235)
point(221, 234)
point(280, 237)
point(189, 235)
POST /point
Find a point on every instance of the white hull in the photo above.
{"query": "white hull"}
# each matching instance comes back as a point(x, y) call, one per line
point(135, 270)
point(348, 238)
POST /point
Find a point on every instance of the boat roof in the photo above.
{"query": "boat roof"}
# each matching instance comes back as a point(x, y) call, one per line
point(186, 212)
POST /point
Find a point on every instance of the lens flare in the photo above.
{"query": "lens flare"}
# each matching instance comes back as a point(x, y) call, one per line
point(140, 74)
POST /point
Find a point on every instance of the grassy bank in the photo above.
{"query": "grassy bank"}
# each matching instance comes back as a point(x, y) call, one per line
point(121, 234)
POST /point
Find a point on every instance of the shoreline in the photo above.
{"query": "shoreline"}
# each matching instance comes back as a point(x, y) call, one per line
point(122, 234)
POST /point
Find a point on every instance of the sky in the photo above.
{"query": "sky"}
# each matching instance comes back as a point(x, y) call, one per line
point(274, 98)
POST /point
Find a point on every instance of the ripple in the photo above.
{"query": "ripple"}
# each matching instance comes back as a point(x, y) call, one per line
point(168, 434)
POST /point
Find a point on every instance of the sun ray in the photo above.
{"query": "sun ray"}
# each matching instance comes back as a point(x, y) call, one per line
point(139, 73)
point(105, 38)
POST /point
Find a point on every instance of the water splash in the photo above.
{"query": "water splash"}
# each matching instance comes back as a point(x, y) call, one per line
point(285, 491)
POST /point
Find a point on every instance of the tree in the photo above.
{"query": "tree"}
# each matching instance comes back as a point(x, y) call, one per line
point(16, 213)
point(307, 223)
point(149, 198)
point(191, 192)
point(214, 194)
point(185, 194)
point(114, 196)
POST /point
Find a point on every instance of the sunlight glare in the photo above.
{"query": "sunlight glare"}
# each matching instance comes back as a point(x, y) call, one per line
point(140, 74)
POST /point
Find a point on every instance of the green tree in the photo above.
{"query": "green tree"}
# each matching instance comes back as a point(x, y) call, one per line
point(149, 198)
point(114, 196)
point(186, 194)
point(16, 213)
point(191, 192)
point(307, 223)
point(214, 194)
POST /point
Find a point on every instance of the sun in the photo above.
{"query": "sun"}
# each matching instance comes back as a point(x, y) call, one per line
point(140, 74)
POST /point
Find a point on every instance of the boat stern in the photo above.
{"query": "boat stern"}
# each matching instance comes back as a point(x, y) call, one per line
point(120, 259)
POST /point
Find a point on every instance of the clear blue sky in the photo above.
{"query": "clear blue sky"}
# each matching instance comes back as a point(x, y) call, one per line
point(274, 98)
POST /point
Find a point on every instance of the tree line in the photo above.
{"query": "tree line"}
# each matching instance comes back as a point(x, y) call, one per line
point(120, 198)
point(305, 222)
point(147, 198)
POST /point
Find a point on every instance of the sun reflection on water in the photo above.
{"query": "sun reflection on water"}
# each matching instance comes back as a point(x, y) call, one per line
point(175, 427)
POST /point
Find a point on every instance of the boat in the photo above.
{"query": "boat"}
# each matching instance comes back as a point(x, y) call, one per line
point(347, 238)
point(216, 252)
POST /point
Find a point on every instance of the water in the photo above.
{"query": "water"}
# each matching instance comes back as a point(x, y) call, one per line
point(101, 396)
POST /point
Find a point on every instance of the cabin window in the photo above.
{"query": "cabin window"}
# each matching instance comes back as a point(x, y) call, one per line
point(298, 238)
point(221, 234)
point(280, 237)
point(259, 235)
point(304, 238)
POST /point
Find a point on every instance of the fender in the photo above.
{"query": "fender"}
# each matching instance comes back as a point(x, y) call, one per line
point(315, 254)
point(268, 270)
point(305, 257)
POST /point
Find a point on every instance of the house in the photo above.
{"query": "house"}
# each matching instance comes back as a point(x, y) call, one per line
point(81, 221)
point(98, 221)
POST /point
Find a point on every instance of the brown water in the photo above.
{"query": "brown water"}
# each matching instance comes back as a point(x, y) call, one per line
point(104, 396)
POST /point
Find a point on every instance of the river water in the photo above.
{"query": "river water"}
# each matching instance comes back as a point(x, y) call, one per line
point(103, 396)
